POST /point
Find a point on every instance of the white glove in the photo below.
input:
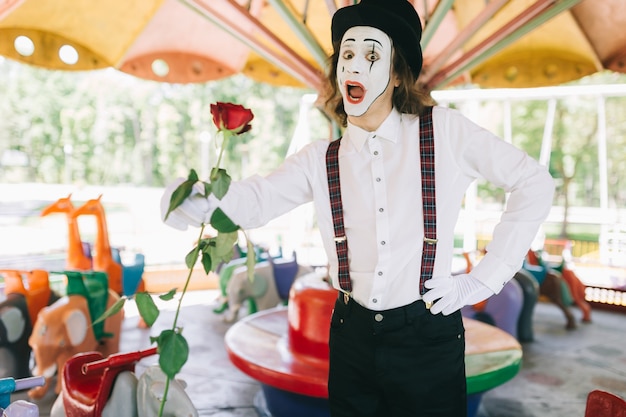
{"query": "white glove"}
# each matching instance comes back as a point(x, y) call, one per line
point(194, 210)
point(454, 292)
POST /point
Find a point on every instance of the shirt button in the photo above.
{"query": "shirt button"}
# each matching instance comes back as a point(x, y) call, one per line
point(374, 137)
point(380, 273)
point(381, 209)
point(378, 317)
point(375, 152)
point(375, 300)
point(382, 242)
point(377, 179)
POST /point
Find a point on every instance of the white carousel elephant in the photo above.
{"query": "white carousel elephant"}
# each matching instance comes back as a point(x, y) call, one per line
point(262, 289)
point(150, 390)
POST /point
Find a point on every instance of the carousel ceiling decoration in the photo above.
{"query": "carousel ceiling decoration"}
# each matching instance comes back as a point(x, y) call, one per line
point(490, 43)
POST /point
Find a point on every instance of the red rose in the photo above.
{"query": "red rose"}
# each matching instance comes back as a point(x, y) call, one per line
point(233, 117)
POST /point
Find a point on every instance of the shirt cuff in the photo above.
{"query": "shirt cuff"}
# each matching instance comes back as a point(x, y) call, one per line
point(492, 272)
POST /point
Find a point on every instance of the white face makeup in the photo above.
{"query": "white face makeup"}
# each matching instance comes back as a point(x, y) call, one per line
point(363, 68)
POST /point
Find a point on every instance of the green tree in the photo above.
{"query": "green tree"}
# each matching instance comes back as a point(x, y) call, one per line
point(616, 150)
point(574, 152)
point(105, 127)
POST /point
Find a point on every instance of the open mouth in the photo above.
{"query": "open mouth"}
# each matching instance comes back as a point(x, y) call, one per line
point(355, 92)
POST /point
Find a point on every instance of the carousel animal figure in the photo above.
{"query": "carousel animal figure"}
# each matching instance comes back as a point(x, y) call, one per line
point(269, 288)
point(27, 292)
point(67, 327)
point(552, 286)
point(530, 289)
point(77, 251)
point(103, 256)
point(123, 279)
point(576, 287)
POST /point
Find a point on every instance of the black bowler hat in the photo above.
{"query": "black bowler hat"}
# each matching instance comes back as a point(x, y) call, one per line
point(397, 18)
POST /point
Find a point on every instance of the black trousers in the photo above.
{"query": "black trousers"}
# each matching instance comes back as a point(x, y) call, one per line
point(404, 362)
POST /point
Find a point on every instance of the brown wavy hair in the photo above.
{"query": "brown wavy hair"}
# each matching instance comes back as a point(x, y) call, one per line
point(409, 97)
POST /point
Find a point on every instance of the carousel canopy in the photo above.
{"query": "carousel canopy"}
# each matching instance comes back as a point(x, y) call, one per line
point(497, 43)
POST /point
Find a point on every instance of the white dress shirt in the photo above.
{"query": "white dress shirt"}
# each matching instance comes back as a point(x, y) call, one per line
point(381, 194)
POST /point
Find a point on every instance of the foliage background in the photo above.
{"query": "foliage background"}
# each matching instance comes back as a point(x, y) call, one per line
point(108, 128)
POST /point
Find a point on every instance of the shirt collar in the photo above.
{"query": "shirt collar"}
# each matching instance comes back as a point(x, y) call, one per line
point(388, 130)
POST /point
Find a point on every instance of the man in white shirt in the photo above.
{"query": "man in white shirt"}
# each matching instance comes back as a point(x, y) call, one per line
point(397, 339)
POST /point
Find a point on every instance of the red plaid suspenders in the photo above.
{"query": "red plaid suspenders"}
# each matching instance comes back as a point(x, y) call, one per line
point(427, 163)
point(336, 207)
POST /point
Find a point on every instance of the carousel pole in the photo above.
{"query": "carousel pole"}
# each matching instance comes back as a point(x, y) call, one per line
point(546, 142)
point(603, 177)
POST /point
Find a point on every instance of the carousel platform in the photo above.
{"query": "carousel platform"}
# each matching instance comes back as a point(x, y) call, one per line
point(559, 368)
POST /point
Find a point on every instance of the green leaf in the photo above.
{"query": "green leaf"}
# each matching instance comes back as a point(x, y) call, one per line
point(168, 295)
point(204, 242)
point(179, 195)
point(220, 183)
point(184, 190)
point(173, 352)
point(221, 249)
point(148, 310)
point(193, 175)
point(207, 188)
point(119, 304)
point(250, 260)
point(224, 243)
point(192, 257)
point(222, 223)
point(207, 262)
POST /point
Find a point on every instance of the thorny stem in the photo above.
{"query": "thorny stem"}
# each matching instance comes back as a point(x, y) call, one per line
point(162, 406)
point(180, 302)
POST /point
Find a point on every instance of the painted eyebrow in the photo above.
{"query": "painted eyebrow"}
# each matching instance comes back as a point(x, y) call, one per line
point(374, 40)
point(366, 40)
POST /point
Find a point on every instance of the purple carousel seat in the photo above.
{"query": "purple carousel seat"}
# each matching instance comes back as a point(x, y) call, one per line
point(285, 272)
point(502, 310)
